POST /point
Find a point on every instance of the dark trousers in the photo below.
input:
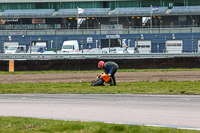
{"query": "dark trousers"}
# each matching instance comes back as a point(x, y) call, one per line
point(113, 75)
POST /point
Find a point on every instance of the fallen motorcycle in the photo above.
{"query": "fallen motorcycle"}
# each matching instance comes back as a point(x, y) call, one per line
point(101, 79)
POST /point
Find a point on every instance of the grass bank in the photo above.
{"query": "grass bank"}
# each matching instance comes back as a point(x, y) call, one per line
point(143, 87)
point(31, 125)
point(92, 71)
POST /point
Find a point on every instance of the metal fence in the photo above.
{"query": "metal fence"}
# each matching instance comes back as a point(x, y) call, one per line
point(92, 56)
point(99, 31)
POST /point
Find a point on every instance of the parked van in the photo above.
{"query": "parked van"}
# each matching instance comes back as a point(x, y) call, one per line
point(95, 51)
point(37, 47)
point(118, 50)
point(70, 45)
point(14, 49)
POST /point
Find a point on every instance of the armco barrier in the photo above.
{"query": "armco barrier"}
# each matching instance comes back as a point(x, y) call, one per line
point(91, 64)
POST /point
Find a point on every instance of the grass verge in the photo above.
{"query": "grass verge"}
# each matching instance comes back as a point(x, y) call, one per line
point(143, 87)
point(32, 125)
point(92, 71)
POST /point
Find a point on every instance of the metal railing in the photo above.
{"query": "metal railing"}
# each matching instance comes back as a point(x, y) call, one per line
point(99, 31)
point(92, 56)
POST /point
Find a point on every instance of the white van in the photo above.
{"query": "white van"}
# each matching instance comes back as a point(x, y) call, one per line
point(10, 46)
point(37, 48)
point(14, 49)
point(71, 45)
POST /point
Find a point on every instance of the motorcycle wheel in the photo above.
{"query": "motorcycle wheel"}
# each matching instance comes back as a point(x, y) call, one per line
point(99, 82)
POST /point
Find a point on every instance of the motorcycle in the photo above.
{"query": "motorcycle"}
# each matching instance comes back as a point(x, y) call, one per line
point(101, 80)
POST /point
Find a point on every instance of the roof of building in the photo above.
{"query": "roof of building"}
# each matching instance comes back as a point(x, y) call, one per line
point(143, 11)
point(43, 1)
point(28, 13)
point(87, 12)
point(102, 12)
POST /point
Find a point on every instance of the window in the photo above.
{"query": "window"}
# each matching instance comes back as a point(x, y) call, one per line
point(169, 44)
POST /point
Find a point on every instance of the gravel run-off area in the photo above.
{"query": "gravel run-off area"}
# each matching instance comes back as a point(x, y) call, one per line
point(88, 77)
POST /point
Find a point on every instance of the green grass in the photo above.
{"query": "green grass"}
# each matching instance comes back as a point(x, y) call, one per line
point(143, 87)
point(92, 71)
point(31, 125)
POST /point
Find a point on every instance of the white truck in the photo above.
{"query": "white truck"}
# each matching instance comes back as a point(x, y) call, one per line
point(70, 46)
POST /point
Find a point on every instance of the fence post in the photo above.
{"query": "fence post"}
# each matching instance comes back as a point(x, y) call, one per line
point(11, 66)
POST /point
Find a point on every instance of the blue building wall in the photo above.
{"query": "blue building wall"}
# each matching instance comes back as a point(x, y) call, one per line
point(190, 40)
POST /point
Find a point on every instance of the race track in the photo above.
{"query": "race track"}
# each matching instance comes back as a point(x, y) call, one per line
point(162, 110)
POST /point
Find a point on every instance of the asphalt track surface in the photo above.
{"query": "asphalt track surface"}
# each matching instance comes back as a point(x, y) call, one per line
point(154, 110)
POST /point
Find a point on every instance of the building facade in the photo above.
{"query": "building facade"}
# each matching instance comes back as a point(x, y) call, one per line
point(108, 23)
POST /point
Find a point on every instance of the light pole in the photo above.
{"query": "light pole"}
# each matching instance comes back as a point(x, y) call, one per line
point(151, 14)
point(160, 23)
point(109, 44)
point(129, 24)
point(96, 43)
point(193, 22)
point(68, 25)
point(51, 44)
point(117, 17)
point(99, 25)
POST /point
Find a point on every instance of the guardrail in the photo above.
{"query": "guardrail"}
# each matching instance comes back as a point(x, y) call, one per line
point(92, 56)
point(100, 31)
